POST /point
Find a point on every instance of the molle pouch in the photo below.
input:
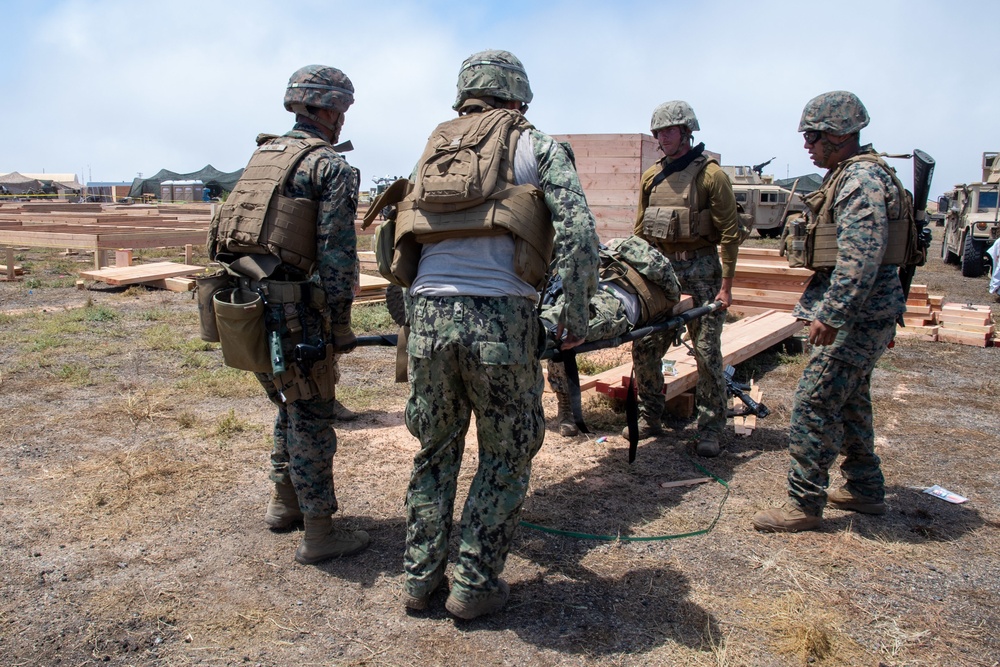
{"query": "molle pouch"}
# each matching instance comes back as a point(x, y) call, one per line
point(666, 224)
point(239, 316)
point(794, 243)
point(206, 287)
point(325, 374)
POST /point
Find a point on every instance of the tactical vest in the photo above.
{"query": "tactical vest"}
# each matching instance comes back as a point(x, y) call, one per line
point(465, 187)
point(812, 242)
point(675, 216)
point(639, 269)
point(259, 221)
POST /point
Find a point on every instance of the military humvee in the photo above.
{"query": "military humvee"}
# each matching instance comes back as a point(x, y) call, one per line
point(761, 198)
point(972, 220)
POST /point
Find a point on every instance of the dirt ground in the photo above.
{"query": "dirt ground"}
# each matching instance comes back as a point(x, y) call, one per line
point(134, 480)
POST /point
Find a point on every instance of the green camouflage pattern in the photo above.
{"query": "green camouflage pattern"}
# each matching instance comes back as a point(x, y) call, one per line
point(303, 449)
point(319, 86)
point(479, 355)
point(304, 438)
point(470, 355)
point(575, 254)
point(702, 279)
point(858, 287)
point(837, 112)
point(675, 112)
point(832, 410)
point(492, 73)
point(832, 414)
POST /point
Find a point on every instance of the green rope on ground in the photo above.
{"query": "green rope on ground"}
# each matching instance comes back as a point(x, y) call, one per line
point(626, 538)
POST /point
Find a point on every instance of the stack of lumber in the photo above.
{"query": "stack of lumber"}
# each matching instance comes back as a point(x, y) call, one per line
point(372, 289)
point(610, 166)
point(764, 281)
point(920, 317)
point(966, 325)
point(741, 340)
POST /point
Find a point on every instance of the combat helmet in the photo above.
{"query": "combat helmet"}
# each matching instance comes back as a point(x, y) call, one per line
point(837, 112)
point(675, 112)
point(492, 73)
point(320, 87)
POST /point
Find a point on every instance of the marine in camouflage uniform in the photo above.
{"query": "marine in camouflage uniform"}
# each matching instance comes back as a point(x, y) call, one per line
point(701, 274)
point(473, 349)
point(614, 310)
point(852, 311)
point(304, 439)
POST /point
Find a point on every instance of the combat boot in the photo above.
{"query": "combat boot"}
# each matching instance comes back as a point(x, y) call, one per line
point(844, 499)
point(648, 428)
point(420, 602)
point(322, 541)
point(567, 425)
point(342, 413)
point(787, 519)
point(283, 508)
point(474, 605)
point(708, 446)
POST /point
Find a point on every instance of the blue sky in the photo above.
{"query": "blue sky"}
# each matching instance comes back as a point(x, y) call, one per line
point(111, 88)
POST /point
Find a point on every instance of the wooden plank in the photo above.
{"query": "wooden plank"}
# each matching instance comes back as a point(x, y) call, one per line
point(172, 284)
point(739, 343)
point(964, 337)
point(141, 273)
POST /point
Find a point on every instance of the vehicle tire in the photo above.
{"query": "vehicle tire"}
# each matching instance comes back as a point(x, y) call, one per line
point(396, 304)
point(972, 258)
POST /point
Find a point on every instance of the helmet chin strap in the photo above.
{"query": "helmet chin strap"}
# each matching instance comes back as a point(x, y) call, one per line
point(332, 130)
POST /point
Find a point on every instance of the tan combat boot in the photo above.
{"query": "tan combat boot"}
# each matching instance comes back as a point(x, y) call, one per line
point(474, 605)
point(342, 413)
point(283, 508)
point(787, 519)
point(567, 425)
point(322, 541)
point(420, 602)
point(648, 428)
point(843, 499)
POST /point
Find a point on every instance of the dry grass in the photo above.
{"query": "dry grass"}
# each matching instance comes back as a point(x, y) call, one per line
point(135, 477)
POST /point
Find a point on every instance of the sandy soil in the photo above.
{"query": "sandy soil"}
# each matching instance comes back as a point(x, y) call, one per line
point(134, 481)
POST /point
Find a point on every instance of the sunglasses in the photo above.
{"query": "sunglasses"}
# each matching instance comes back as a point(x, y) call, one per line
point(811, 136)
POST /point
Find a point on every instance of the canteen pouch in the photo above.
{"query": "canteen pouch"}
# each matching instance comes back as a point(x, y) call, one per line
point(206, 287)
point(239, 315)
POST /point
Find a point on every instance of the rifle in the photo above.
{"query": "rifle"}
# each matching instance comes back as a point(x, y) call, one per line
point(738, 390)
point(759, 168)
point(923, 170)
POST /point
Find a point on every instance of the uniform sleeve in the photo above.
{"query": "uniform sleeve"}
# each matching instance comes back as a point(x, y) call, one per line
point(714, 184)
point(859, 211)
point(336, 239)
point(575, 253)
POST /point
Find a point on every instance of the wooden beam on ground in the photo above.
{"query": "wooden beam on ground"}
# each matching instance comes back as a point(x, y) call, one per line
point(740, 341)
point(142, 273)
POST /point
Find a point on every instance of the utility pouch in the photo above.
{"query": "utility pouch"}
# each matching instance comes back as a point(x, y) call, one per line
point(666, 224)
point(325, 374)
point(794, 242)
point(239, 316)
point(206, 287)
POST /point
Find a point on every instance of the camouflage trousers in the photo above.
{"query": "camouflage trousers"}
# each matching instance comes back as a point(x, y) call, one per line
point(304, 446)
point(702, 279)
point(832, 414)
point(470, 355)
